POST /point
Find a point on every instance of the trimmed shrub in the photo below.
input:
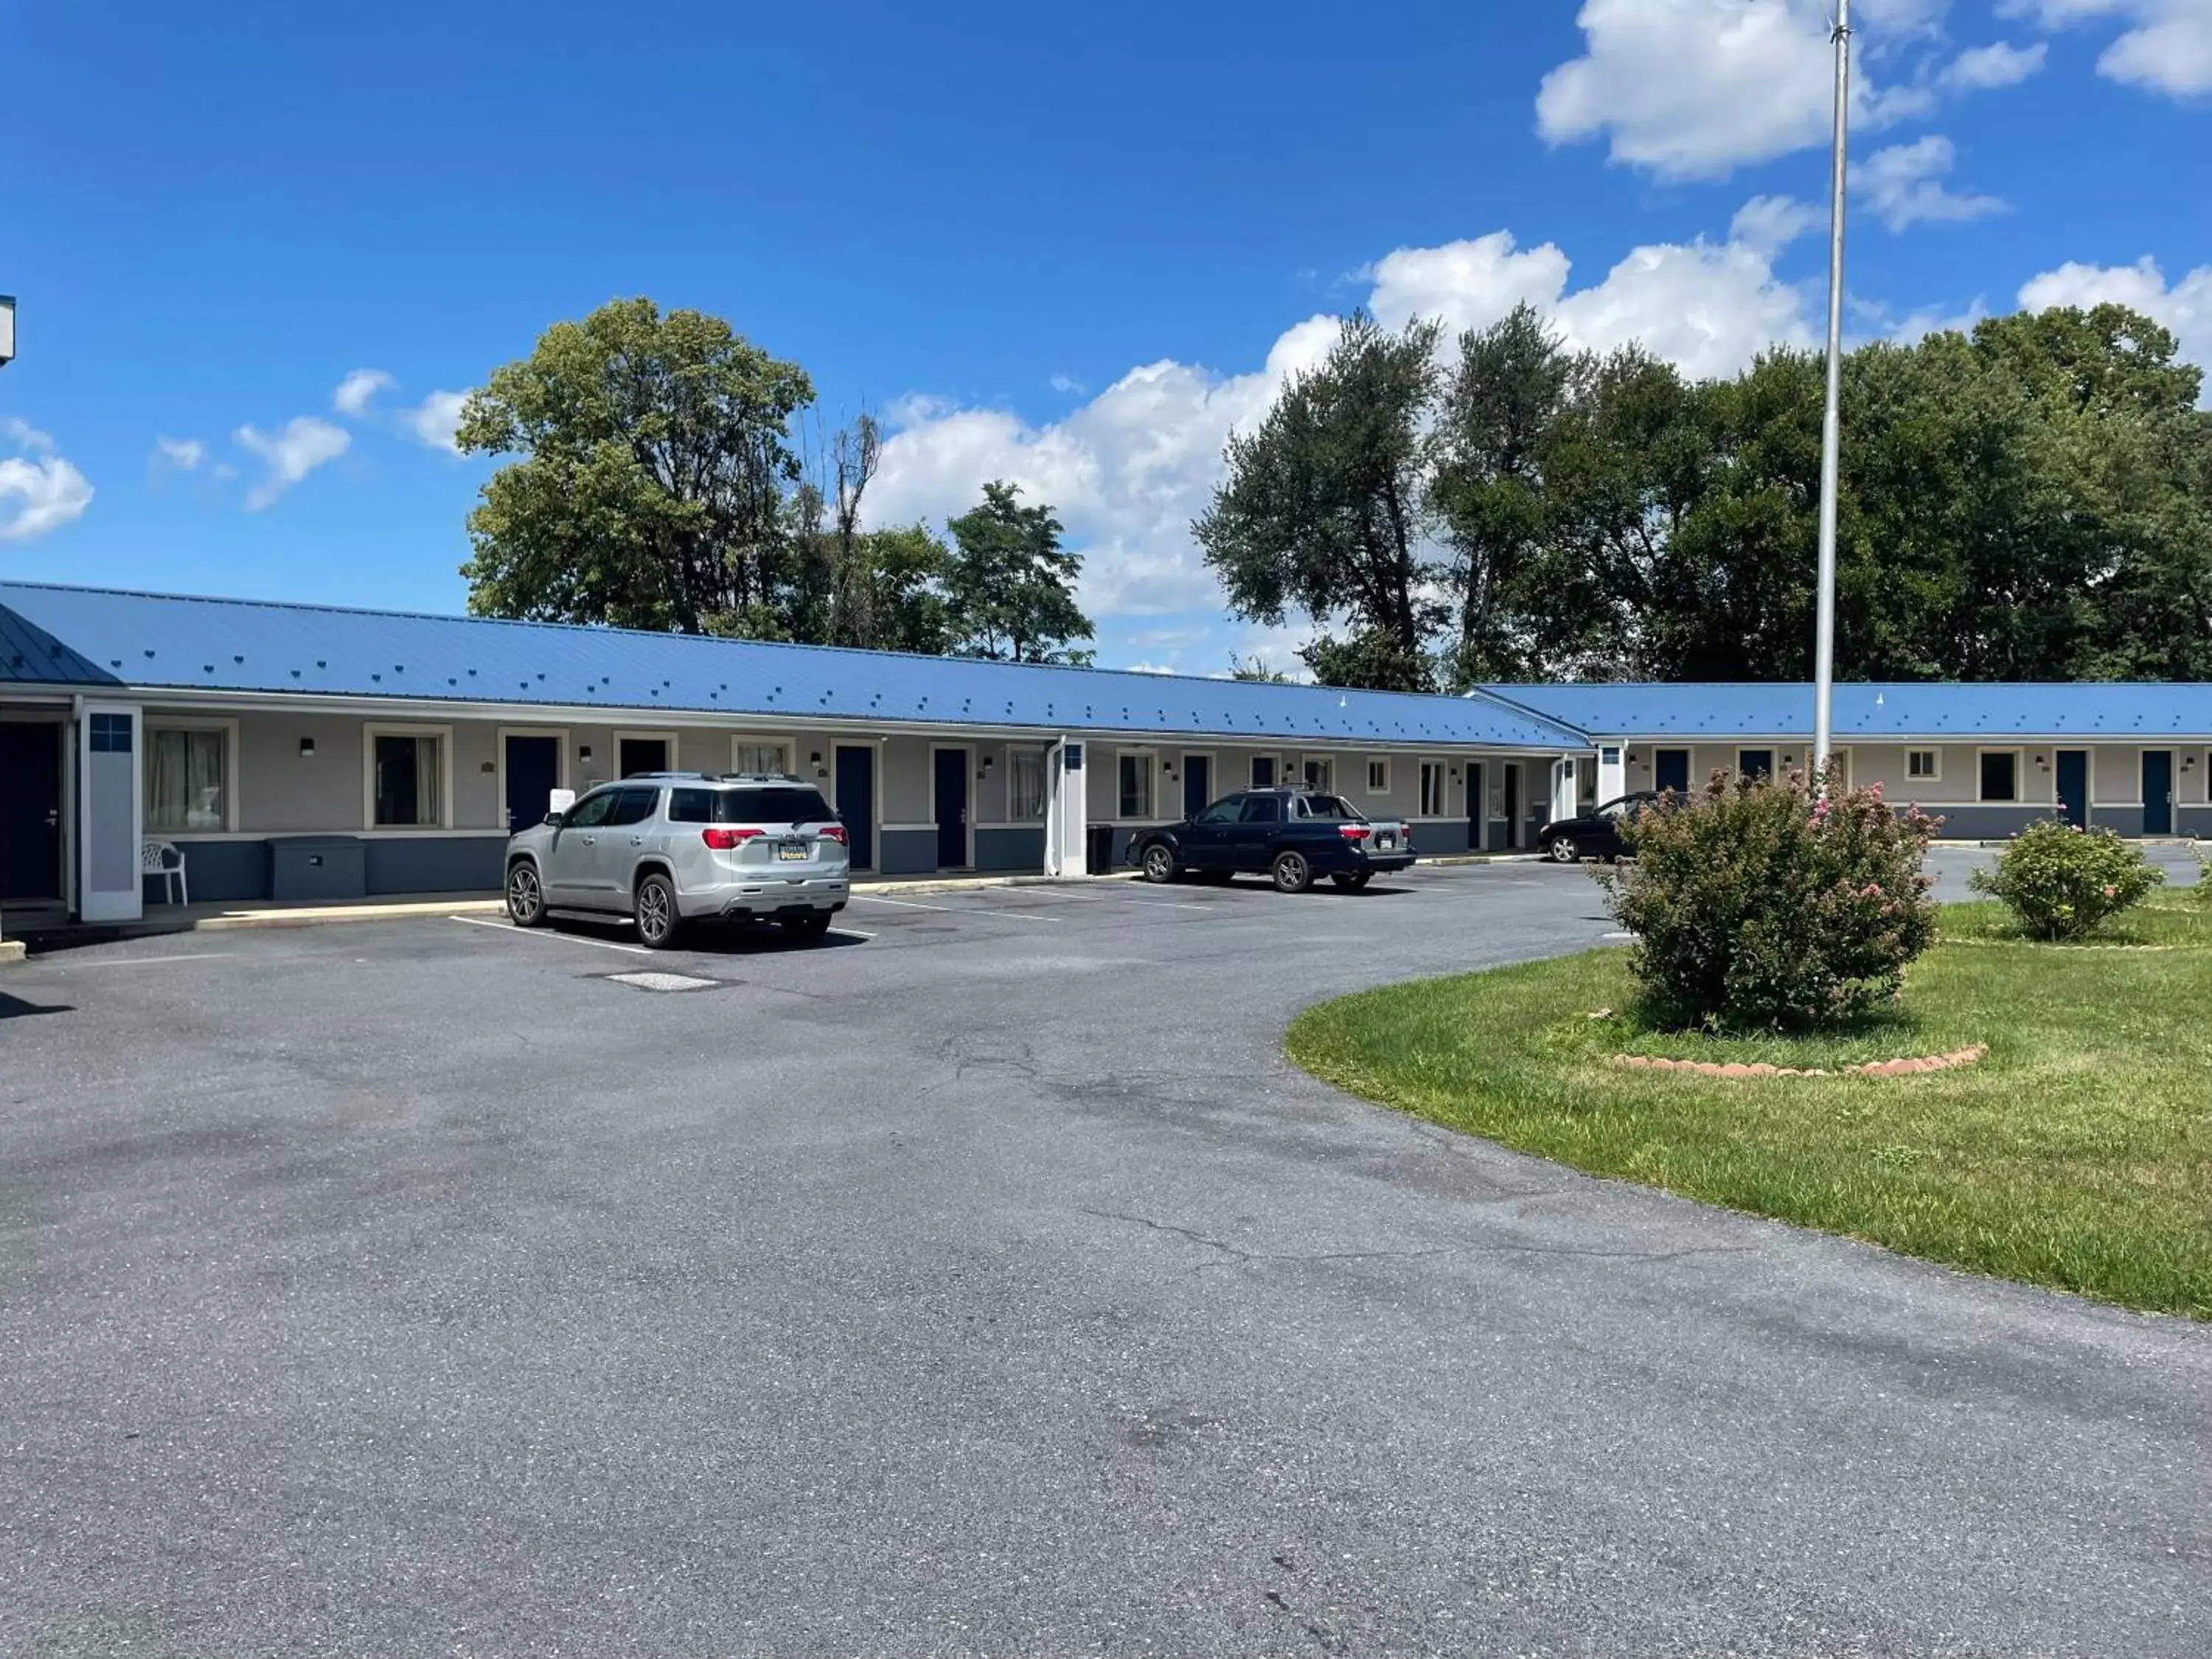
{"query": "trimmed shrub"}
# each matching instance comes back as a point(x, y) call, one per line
point(2062, 883)
point(1760, 904)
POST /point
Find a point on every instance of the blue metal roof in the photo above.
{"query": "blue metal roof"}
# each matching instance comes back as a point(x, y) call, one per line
point(85, 637)
point(2089, 709)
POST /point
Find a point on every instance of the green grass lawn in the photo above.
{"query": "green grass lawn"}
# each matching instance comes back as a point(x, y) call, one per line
point(2077, 1155)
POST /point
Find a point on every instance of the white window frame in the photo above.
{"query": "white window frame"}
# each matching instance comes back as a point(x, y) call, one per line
point(1442, 770)
point(369, 733)
point(1932, 776)
point(760, 740)
point(1327, 787)
point(1840, 754)
point(2019, 778)
point(1014, 751)
point(148, 724)
point(614, 757)
point(1152, 760)
point(1374, 761)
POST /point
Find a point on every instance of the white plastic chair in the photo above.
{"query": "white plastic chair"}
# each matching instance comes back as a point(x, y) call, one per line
point(166, 858)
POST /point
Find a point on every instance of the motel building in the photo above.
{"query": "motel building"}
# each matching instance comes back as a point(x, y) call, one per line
point(159, 750)
point(302, 755)
point(1987, 759)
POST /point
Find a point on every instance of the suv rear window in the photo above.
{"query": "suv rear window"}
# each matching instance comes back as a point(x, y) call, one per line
point(772, 804)
point(1328, 806)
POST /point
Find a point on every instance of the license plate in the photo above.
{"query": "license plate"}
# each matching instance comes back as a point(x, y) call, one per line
point(1386, 842)
point(790, 852)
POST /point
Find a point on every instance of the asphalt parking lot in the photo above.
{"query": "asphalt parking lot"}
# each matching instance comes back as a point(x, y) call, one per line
point(981, 1282)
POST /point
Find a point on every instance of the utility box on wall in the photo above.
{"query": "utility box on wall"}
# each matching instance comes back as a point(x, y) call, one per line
point(317, 868)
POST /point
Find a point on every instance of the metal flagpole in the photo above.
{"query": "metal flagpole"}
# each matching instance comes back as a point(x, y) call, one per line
point(1824, 650)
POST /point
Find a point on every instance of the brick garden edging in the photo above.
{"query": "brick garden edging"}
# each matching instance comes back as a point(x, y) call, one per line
point(1733, 1070)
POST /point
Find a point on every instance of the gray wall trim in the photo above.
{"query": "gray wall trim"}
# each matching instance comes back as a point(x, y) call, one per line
point(906, 852)
point(436, 865)
point(1020, 851)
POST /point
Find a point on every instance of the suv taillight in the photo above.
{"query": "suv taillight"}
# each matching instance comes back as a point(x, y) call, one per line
point(723, 840)
point(1352, 831)
point(835, 832)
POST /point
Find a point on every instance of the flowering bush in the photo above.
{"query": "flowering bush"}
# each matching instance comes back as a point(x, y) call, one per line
point(1767, 904)
point(2062, 883)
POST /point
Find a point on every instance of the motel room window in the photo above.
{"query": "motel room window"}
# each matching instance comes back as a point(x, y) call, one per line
point(1320, 775)
point(1026, 786)
point(1136, 792)
point(2000, 775)
point(407, 779)
point(1924, 765)
point(1378, 777)
point(1432, 789)
point(1263, 771)
point(773, 758)
point(187, 784)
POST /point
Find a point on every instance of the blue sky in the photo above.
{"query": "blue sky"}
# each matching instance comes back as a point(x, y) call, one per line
point(1072, 247)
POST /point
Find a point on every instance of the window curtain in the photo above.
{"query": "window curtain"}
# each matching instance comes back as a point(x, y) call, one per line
point(426, 780)
point(1028, 786)
point(761, 758)
point(185, 785)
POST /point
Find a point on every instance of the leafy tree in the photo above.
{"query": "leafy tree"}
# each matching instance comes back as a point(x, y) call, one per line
point(879, 590)
point(1500, 421)
point(1255, 668)
point(1324, 509)
point(651, 490)
point(1008, 583)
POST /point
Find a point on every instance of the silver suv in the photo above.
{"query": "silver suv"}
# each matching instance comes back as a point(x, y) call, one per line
point(668, 847)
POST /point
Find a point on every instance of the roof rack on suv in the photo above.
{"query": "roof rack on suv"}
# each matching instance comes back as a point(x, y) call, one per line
point(759, 777)
point(647, 777)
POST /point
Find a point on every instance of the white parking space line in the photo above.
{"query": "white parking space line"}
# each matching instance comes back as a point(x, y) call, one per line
point(1165, 904)
point(151, 962)
point(955, 909)
point(850, 933)
point(564, 939)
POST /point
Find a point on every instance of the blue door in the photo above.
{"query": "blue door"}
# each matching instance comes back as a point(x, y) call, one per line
point(1756, 763)
point(1263, 771)
point(1512, 803)
point(856, 801)
point(951, 797)
point(1197, 785)
point(1671, 770)
point(2158, 792)
point(31, 810)
point(2074, 787)
point(1478, 808)
point(533, 771)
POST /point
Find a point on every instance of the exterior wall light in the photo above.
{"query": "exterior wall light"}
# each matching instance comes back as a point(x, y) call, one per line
point(307, 749)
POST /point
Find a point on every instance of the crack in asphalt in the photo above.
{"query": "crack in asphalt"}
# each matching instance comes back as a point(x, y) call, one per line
point(1238, 1256)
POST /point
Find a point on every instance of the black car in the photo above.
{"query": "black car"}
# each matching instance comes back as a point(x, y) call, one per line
point(1290, 835)
point(1594, 834)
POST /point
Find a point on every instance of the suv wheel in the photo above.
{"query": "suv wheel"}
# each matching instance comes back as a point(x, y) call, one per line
point(1159, 864)
point(1353, 881)
point(526, 895)
point(1562, 849)
point(808, 928)
point(657, 924)
point(1293, 874)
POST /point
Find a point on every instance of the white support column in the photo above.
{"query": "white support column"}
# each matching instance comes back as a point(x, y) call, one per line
point(1066, 816)
point(111, 812)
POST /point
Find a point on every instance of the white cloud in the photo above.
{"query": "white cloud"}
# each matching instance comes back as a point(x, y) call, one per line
point(1068, 384)
point(435, 419)
point(304, 444)
point(1129, 469)
point(2165, 44)
point(39, 489)
point(1767, 224)
point(356, 392)
point(1692, 88)
point(183, 453)
point(2185, 306)
point(1983, 68)
point(1903, 186)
